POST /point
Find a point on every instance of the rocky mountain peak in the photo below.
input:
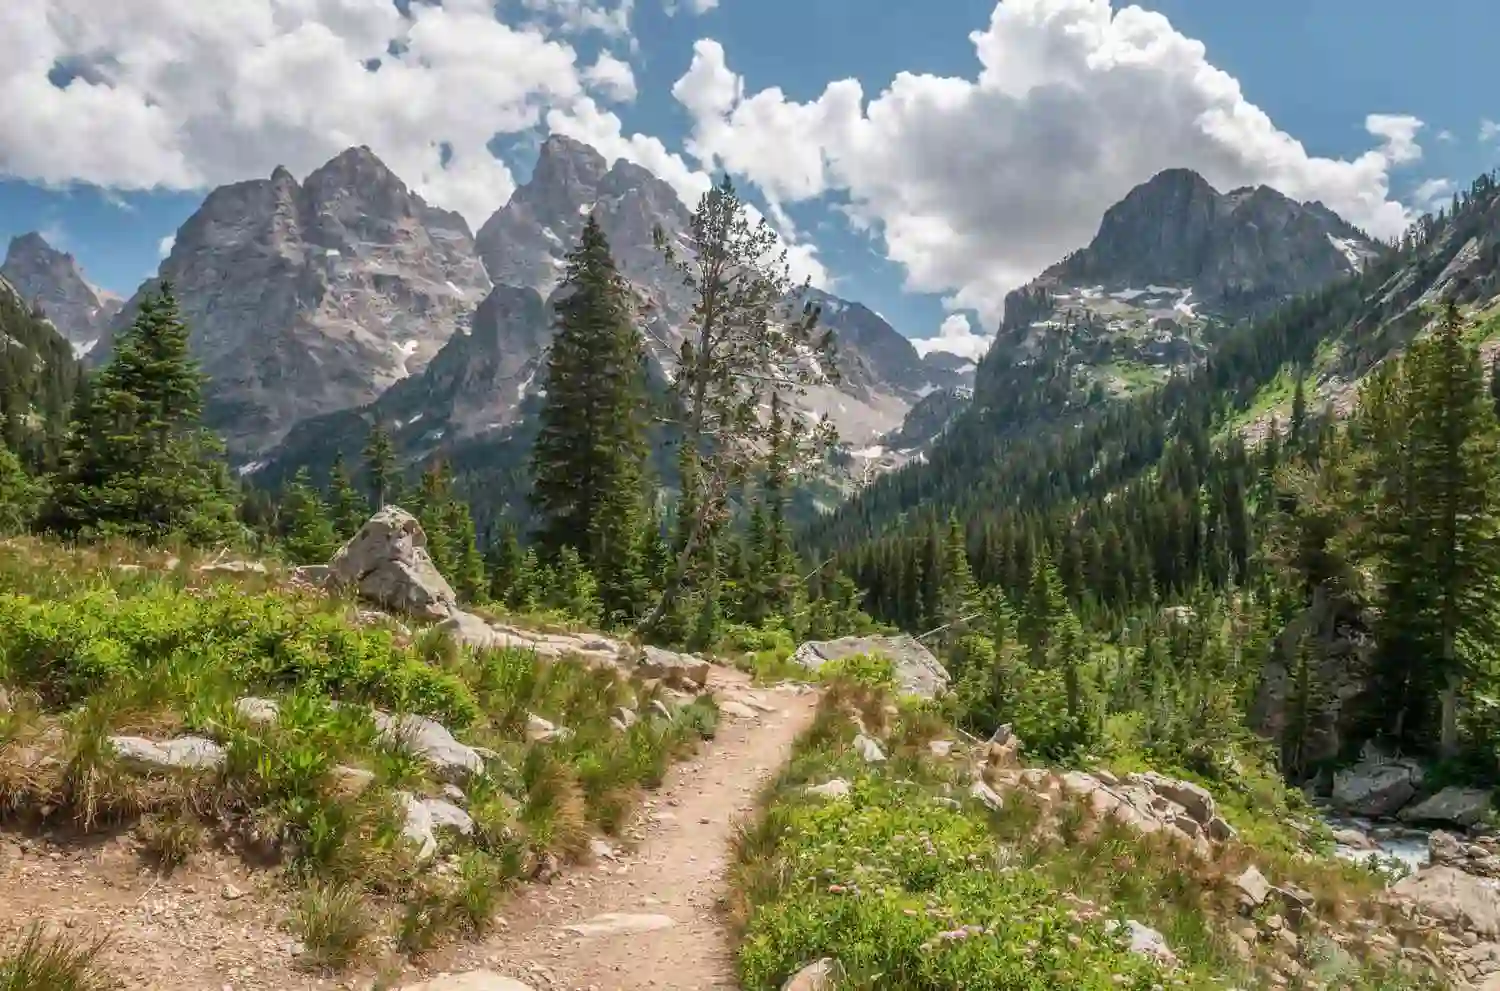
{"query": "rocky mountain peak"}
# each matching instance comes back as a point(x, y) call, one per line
point(306, 298)
point(52, 280)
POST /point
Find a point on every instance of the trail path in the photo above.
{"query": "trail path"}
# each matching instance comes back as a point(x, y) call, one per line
point(661, 927)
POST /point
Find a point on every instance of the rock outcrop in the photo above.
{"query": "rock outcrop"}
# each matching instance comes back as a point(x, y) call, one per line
point(1451, 806)
point(918, 672)
point(387, 563)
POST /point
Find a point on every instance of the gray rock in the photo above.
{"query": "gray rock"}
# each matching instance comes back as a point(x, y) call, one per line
point(1220, 831)
point(940, 748)
point(1375, 789)
point(918, 672)
point(683, 671)
point(474, 980)
point(625, 716)
point(316, 575)
point(1469, 903)
point(427, 817)
point(1194, 798)
point(621, 924)
point(186, 753)
point(835, 789)
point(1145, 941)
point(233, 567)
point(868, 750)
point(450, 760)
point(1253, 887)
point(472, 631)
point(1455, 806)
point(387, 563)
point(737, 709)
point(987, 795)
point(260, 712)
point(352, 781)
point(539, 730)
point(821, 976)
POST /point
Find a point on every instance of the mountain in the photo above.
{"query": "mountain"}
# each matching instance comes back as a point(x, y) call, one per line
point(1036, 441)
point(1173, 263)
point(38, 379)
point(307, 298)
point(52, 281)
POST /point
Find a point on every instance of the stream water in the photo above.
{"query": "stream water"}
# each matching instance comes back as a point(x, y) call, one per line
point(1402, 842)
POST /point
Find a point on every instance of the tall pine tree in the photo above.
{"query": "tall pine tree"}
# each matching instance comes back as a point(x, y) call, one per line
point(589, 458)
point(138, 462)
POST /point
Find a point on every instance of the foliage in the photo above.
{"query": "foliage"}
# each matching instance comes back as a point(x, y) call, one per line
point(38, 962)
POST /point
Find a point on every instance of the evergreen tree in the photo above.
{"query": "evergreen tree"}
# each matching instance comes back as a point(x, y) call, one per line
point(306, 530)
point(742, 345)
point(20, 495)
point(1044, 611)
point(467, 575)
point(138, 463)
point(380, 466)
point(1297, 431)
point(588, 459)
point(347, 506)
point(430, 506)
point(503, 561)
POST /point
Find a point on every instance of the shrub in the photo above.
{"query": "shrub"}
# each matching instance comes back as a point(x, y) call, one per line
point(871, 670)
point(169, 838)
point(333, 922)
point(56, 963)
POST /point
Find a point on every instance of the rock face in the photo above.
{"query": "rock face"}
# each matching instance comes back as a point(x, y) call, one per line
point(51, 280)
point(918, 672)
point(309, 297)
point(1466, 902)
point(1376, 789)
point(1455, 806)
point(388, 564)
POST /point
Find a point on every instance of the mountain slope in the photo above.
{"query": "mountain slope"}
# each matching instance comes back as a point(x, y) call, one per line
point(305, 298)
point(38, 379)
point(51, 280)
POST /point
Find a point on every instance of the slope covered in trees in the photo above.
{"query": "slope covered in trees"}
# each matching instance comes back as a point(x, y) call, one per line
point(38, 379)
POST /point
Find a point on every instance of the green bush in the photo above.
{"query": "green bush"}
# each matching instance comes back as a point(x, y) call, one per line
point(870, 670)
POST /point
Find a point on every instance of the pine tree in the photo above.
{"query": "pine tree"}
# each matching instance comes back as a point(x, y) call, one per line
point(1297, 431)
point(742, 345)
point(467, 576)
point(589, 458)
point(503, 561)
point(20, 495)
point(306, 530)
point(380, 466)
point(347, 506)
point(1044, 611)
point(138, 463)
point(430, 506)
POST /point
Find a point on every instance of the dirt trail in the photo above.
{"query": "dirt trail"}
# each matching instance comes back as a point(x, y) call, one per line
point(673, 880)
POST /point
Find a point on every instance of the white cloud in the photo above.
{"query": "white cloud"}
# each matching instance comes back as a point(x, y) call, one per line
point(579, 16)
point(956, 336)
point(191, 95)
point(612, 78)
point(692, 6)
point(165, 245)
point(1445, 135)
point(1431, 192)
point(976, 184)
point(1488, 130)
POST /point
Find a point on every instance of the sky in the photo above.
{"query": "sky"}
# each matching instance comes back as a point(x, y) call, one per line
point(924, 160)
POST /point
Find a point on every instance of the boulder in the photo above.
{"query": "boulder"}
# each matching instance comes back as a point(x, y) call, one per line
point(452, 761)
point(1145, 941)
point(1194, 798)
point(1220, 831)
point(316, 575)
point(387, 563)
point(686, 672)
point(186, 753)
point(837, 788)
point(232, 568)
point(471, 631)
point(474, 980)
point(1468, 903)
point(986, 795)
point(1375, 789)
point(918, 672)
point(258, 712)
point(1253, 887)
point(821, 976)
point(869, 750)
point(426, 817)
point(1453, 806)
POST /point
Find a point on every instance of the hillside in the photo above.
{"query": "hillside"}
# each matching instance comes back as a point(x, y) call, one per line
point(38, 379)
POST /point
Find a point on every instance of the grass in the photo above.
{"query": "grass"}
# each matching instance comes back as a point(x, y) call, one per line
point(909, 884)
point(88, 651)
point(39, 962)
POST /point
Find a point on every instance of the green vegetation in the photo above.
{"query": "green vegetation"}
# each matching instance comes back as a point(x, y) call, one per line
point(906, 888)
point(38, 962)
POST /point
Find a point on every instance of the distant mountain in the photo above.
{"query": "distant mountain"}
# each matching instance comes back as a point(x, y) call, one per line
point(1172, 264)
point(306, 298)
point(38, 379)
point(52, 281)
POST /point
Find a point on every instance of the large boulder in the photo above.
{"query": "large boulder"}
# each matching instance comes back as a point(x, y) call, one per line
point(1463, 901)
point(687, 672)
point(387, 563)
point(1375, 790)
point(1454, 806)
point(450, 760)
point(1195, 799)
point(186, 753)
point(918, 672)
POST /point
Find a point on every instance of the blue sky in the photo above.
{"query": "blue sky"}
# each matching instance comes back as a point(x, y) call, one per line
point(957, 191)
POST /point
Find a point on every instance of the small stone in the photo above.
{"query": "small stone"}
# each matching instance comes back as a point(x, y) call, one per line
point(1253, 887)
point(868, 750)
point(940, 748)
point(987, 795)
point(258, 712)
point(230, 893)
point(821, 976)
point(835, 789)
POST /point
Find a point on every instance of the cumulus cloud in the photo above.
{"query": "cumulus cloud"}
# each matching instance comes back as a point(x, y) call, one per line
point(1431, 192)
point(165, 245)
point(611, 19)
point(976, 183)
point(612, 78)
point(158, 93)
point(956, 336)
point(1488, 130)
point(692, 6)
